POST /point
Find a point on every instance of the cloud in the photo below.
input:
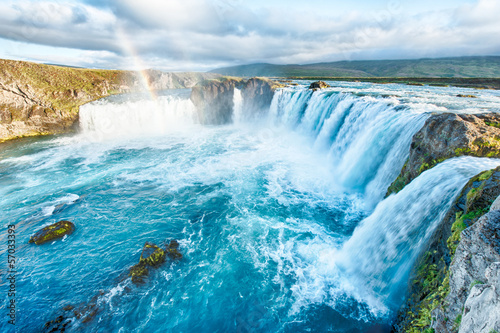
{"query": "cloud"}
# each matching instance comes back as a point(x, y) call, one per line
point(200, 34)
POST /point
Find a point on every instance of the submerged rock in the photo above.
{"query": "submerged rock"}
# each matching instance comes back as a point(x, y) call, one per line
point(52, 232)
point(319, 85)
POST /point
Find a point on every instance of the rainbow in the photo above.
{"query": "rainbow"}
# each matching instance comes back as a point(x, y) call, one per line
point(138, 64)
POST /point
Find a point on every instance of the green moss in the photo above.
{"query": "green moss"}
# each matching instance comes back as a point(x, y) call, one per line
point(476, 282)
point(493, 124)
point(457, 323)
point(52, 232)
point(138, 272)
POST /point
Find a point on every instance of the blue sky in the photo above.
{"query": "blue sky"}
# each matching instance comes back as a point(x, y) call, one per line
point(205, 34)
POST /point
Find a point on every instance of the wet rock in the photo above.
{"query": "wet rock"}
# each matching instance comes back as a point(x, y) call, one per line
point(151, 256)
point(319, 85)
point(214, 99)
point(52, 232)
point(467, 96)
point(138, 272)
point(258, 94)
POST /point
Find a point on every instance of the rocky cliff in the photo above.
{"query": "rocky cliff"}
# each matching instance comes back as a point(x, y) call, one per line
point(449, 135)
point(214, 99)
point(38, 99)
point(455, 285)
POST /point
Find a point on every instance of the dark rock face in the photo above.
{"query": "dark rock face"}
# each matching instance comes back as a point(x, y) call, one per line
point(449, 135)
point(258, 94)
point(214, 98)
point(319, 85)
point(52, 232)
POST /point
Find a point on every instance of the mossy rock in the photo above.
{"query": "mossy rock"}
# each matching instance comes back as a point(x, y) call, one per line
point(152, 255)
point(52, 232)
point(138, 272)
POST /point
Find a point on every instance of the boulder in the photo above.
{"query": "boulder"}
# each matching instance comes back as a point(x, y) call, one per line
point(319, 85)
point(52, 232)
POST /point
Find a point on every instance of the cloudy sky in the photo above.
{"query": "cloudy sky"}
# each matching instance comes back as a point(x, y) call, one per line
point(205, 34)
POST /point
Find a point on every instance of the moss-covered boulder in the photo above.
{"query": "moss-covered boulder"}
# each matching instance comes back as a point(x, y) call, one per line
point(52, 232)
point(449, 135)
point(152, 255)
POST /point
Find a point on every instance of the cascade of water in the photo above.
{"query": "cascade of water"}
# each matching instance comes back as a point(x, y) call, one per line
point(105, 118)
point(367, 138)
point(238, 106)
point(380, 253)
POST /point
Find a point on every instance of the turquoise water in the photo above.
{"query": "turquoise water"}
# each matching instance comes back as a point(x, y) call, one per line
point(280, 219)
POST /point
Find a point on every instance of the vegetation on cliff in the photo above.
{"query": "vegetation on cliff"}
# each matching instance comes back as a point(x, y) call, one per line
point(430, 285)
point(449, 135)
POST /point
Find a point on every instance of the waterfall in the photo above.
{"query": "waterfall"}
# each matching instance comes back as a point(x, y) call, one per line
point(120, 116)
point(238, 106)
point(367, 139)
point(378, 257)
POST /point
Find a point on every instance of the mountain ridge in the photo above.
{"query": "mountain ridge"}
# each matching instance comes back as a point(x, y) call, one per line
point(449, 67)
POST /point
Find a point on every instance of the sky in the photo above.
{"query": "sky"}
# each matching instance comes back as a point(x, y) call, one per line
point(200, 35)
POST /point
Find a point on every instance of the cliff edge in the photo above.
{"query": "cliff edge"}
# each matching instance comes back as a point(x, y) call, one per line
point(214, 99)
point(449, 135)
point(37, 99)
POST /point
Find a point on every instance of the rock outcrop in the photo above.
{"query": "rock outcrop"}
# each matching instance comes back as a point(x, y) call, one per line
point(453, 283)
point(473, 303)
point(214, 99)
point(52, 232)
point(319, 85)
point(258, 94)
point(37, 99)
point(449, 135)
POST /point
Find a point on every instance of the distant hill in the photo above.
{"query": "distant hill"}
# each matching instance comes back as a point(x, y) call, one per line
point(468, 67)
